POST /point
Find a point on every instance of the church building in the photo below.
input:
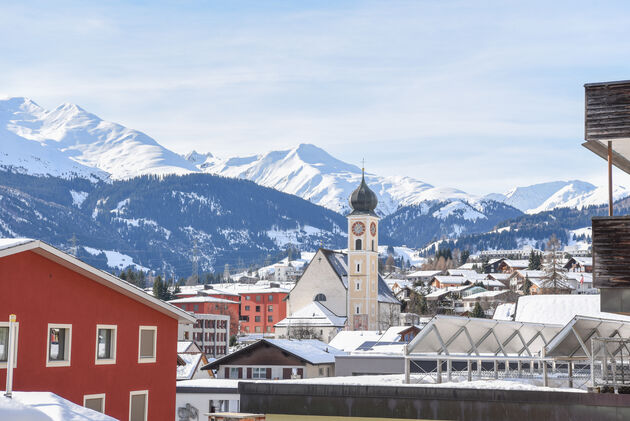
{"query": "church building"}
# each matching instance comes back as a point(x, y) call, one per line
point(347, 289)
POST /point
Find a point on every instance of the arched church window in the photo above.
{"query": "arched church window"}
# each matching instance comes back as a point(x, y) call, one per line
point(320, 297)
point(373, 245)
point(357, 244)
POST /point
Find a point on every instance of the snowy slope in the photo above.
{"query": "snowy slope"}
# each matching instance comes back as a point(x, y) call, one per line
point(69, 139)
point(557, 194)
point(311, 173)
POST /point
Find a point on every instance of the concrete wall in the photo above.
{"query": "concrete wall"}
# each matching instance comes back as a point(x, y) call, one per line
point(354, 365)
point(429, 403)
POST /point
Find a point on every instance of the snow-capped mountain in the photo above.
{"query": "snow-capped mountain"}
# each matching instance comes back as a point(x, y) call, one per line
point(69, 140)
point(558, 194)
point(313, 174)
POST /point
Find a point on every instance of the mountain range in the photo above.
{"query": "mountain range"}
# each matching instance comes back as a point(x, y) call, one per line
point(70, 141)
point(67, 170)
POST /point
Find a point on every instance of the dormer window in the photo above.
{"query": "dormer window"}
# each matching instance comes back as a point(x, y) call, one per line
point(320, 297)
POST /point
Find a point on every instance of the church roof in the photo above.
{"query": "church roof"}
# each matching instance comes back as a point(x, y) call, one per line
point(363, 200)
point(339, 262)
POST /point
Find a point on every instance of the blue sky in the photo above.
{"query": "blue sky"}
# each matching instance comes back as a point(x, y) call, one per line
point(479, 95)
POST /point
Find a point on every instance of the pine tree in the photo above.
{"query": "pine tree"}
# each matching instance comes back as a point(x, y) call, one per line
point(478, 311)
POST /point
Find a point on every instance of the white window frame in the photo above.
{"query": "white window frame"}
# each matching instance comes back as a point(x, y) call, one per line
point(144, 360)
point(95, 396)
point(112, 360)
point(67, 351)
point(264, 371)
point(146, 402)
point(3, 364)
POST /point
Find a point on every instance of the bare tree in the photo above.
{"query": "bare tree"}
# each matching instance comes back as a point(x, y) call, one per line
point(554, 280)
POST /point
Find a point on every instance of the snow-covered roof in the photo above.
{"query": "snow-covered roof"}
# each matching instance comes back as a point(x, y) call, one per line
point(201, 299)
point(484, 294)
point(491, 283)
point(313, 314)
point(468, 266)
point(454, 280)
point(577, 276)
point(45, 406)
point(204, 289)
point(531, 274)
point(561, 308)
point(423, 273)
point(470, 274)
point(187, 346)
point(583, 261)
point(6, 243)
point(516, 263)
point(311, 351)
point(443, 291)
point(18, 245)
point(186, 372)
point(499, 276)
point(504, 311)
point(350, 340)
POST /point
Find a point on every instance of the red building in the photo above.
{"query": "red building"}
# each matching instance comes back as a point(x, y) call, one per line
point(262, 308)
point(86, 335)
point(204, 304)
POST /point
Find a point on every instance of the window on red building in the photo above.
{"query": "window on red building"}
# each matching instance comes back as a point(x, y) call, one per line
point(257, 319)
point(270, 308)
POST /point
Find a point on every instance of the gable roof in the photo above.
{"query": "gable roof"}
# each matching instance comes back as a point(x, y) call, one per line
point(311, 351)
point(191, 362)
point(12, 246)
point(314, 314)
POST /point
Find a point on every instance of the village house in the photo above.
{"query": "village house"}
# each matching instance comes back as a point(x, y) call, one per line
point(87, 335)
point(579, 264)
point(278, 359)
point(511, 266)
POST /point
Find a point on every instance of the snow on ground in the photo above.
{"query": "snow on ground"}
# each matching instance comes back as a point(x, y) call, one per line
point(116, 259)
point(411, 256)
point(78, 197)
point(425, 381)
point(560, 309)
point(45, 406)
point(459, 209)
point(292, 236)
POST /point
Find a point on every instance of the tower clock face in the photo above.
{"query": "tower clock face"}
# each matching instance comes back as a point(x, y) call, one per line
point(358, 228)
point(373, 229)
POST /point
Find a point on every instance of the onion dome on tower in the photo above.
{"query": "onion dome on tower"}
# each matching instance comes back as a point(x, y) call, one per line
point(363, 200)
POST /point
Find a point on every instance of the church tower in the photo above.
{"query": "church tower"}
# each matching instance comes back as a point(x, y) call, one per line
point(363, 308)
